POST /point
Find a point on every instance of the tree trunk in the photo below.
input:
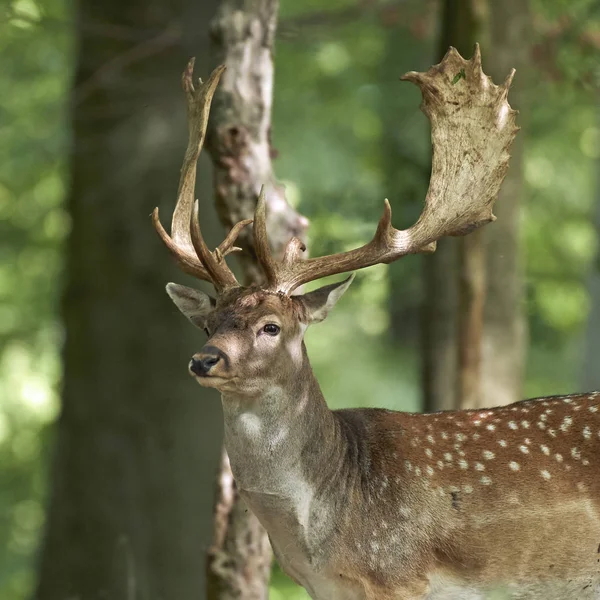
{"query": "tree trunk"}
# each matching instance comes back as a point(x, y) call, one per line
point(239, 562)
point(504, 333)
point(454, 274)
point(137, 439)
point(473, 350)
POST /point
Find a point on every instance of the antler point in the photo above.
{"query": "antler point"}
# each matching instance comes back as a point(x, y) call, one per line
point(187, 76)
point(476, 60)
point(508, 81)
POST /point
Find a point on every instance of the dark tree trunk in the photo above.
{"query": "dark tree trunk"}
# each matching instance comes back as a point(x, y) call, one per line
point(137, 440)
point(239, 562)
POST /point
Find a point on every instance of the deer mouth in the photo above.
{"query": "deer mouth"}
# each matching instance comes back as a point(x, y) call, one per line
point(210, 380)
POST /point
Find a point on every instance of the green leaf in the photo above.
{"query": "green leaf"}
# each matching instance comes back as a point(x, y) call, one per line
point(460, 75)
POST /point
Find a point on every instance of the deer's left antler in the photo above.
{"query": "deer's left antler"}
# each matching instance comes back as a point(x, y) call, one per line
point(472, 128)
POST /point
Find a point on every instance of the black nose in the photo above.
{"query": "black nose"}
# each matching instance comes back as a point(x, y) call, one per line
point(203, 364)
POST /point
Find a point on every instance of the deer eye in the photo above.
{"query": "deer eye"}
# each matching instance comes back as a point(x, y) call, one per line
point(271, 329)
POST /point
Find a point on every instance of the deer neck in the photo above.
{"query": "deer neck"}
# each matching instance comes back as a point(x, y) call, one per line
point(277, 439)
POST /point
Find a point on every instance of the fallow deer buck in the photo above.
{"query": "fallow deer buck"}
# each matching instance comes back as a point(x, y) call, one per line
point(374, 504)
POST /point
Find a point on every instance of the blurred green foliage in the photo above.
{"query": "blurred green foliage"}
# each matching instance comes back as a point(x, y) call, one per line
point(348, 134)
point(35, 74)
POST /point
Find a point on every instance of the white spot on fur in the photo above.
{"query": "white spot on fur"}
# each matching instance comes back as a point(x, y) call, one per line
point(463, 464)
point(448, 457)
point(479, 466)
point(485, 480)
point(558, 457)
point(515, 466)
point(545, 474)
point(545, 449)
point(488, 455)
point(587, 432)
point(566, 423)
point(490, 427)
point(251, 424)
point(525, 424)
point(575, 453)
point(428, 452)
point(524, 449)
point(513, 425)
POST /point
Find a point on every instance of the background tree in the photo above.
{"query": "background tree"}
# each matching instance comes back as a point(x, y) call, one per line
point(473, 316)
point(137, 441)
point(239, 141)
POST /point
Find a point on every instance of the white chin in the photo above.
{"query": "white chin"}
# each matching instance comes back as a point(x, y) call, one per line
point(211, 382)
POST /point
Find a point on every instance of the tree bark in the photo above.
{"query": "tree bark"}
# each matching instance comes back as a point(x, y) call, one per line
point(137, 439)
point(239, 142)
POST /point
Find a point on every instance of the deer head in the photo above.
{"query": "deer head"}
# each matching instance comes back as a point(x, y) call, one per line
point(256, 333)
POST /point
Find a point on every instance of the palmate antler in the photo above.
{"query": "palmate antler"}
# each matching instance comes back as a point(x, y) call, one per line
point(472, 127)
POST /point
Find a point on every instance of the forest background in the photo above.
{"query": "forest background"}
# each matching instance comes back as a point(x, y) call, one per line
point(347, 134)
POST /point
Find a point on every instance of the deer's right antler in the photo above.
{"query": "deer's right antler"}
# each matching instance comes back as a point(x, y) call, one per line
point(186, 243)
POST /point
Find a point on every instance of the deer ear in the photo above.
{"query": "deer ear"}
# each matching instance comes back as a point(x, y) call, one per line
point(319, 302)
point(195, 305)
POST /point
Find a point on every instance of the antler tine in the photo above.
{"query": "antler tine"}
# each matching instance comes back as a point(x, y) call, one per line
point(198, 109)
point(472, 128)
point(219, 272)
point(186, 243)
point(261, 241)
point(226, 246)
